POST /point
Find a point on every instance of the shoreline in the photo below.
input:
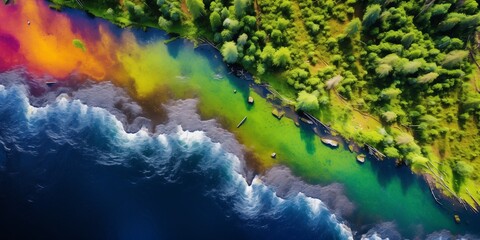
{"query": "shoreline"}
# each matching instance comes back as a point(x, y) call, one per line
point(196, 172)
point(248, 174)
point(456, 207)
point(322, 130)
point(199, 40)
point(261, 110)
point(261, 89)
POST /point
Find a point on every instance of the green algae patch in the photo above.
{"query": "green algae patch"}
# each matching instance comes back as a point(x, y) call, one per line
point(79, 44)
point(224, 97)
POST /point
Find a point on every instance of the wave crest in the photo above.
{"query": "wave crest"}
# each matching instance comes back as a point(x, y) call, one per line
point(170, 154)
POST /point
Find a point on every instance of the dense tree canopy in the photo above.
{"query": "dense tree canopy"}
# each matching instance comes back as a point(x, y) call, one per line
point(240, 7)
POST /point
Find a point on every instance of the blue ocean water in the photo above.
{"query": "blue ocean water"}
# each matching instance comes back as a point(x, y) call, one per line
point(70, 170)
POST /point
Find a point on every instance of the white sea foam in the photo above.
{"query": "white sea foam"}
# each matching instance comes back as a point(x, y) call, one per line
point(374, 236)
point(71, 122)
point(315, 205)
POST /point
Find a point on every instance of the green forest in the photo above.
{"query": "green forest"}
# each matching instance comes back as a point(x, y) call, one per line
point(400, 75)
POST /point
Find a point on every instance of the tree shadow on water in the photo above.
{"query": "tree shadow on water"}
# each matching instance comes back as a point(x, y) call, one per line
point(145, 36)
point(240, 87)
point(457, 181)
point(407, 178)
point(386, 171)
point(308, 137)
point(174, 47)
point(382, 170)
point(407, 181)
point(221, 71)
point(215, 59)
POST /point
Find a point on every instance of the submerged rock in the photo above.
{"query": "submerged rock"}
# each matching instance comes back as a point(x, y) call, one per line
point(250, 99)
point(350, 147)
point(278, 114)
point(457, 218)
point(329, 142)
point(361, 158)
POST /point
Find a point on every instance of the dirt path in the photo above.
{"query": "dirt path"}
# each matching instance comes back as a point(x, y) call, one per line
point(299, 24)
point(258, 13)
point(304, 36)
point(183, 6)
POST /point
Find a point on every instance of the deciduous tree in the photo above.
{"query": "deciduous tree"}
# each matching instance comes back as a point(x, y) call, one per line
point(307, 101)
point(229, 52)
point(281, 57)
point(371, 15)
point(196, 8)
point(353, 28)
point(215, 21)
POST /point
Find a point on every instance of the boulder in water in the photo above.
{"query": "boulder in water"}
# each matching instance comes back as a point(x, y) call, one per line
point(361, 158)
point(329, 142)
point(457, 218)
point(278, 114)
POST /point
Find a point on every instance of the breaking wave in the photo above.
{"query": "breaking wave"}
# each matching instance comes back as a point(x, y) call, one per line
point(172, 154)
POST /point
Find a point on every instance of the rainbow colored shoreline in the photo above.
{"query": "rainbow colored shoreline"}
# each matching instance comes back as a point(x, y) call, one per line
point(41, 40)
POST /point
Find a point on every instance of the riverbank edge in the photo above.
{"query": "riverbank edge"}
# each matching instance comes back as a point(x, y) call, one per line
point(286, 104)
